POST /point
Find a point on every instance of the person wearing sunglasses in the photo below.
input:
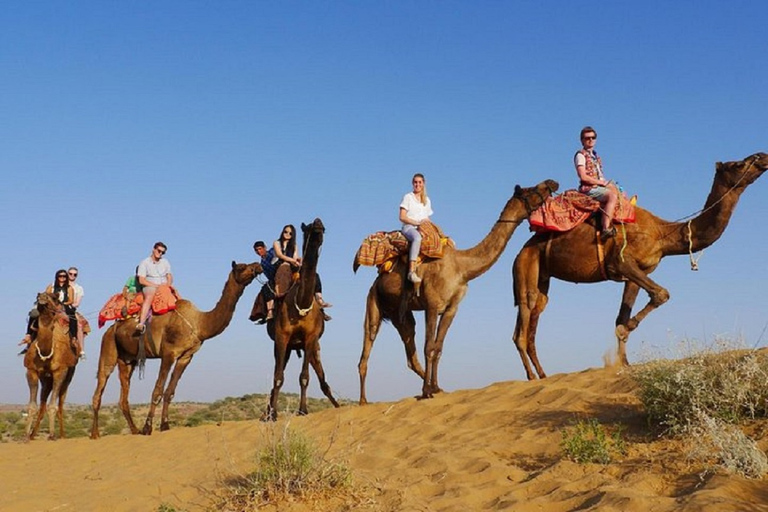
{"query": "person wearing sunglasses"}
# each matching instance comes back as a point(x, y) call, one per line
point(64, 294)
point(153, 272)
point(592, 180)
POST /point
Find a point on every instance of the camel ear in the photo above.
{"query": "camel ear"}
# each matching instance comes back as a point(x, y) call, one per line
point(233, 264)
point(518, 189)
point(304, 227)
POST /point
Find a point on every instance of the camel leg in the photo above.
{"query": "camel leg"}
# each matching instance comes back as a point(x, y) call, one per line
point(277, 381)
point(157, 393)
point(53, 411)
point(371, 327)
point(658, 296)
point(317, 364)
point(45, 392)
point(33, 380)
point(525, 272)
point(125, 372)
point(542, 300)
point(430, 352)
point(442, 330)
point(170, 391)
point(622, 319)
point(63, 398)
point(406, 328)
point(304, 379)
point(107, 362)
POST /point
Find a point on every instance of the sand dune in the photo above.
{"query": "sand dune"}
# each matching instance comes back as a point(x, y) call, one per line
point(496, 448)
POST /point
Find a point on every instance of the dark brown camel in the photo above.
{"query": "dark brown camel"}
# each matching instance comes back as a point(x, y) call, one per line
point(444, 284)
point(634, 253)
point(50, 361)
point(298, 325)
point(175, 338)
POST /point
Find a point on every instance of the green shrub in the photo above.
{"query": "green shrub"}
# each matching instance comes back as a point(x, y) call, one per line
point(589, 441)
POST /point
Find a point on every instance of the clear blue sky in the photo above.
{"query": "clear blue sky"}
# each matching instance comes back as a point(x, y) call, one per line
point(209, 125)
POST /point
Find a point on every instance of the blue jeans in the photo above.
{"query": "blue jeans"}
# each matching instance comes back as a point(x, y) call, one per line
point(412, 234)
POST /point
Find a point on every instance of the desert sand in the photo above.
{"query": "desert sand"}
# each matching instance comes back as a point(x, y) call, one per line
point(495, 448)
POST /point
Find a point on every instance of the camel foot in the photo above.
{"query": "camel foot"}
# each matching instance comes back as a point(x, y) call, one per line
point(147, 430)
point(269, 415)
point(165, 426)
point(363, 401)
point(622, 333)
point(95, 435)
point(302, 412)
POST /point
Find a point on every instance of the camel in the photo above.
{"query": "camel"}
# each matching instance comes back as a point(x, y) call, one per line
point(174, 337)
point(631, 256)
point(298, 325)
point(50, 360)
point(444, 284)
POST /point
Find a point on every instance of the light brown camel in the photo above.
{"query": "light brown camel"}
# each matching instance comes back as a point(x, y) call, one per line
point(174, 338)
point(444, 284)
point(298, 325)
point(50, 361)
point(634, 253)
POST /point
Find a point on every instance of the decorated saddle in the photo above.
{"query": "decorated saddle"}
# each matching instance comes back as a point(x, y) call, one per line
point(382, 248)
point(571, 208)
point(119, 307)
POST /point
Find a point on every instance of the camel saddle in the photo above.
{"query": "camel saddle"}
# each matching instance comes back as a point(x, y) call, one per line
point(571, 208)
point(118, 308)
point(285, 277)
point(382, 248)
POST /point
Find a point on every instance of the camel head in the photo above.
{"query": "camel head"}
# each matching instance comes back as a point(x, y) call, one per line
point(533, 197)
point(47, 302)
point(313, 231)
point(245, 273)
point(739, 175)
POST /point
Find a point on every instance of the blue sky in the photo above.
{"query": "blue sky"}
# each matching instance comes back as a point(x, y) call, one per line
point(209, 125)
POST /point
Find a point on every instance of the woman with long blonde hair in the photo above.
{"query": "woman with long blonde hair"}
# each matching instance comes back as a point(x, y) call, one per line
point(415, 209)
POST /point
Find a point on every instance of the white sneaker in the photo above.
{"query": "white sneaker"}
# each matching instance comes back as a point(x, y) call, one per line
point(412, 277)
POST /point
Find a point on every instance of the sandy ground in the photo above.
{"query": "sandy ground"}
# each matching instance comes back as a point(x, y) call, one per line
point(496, 448)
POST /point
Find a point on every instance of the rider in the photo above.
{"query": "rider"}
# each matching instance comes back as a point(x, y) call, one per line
point(153, 271)
point(415, 209)
point(592, 181)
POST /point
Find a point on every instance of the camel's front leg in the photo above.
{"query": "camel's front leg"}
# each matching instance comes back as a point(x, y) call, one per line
point(658, 296)
point(446, 319)
point(125, 372)
point(430, 353)
point(628, 298)
point(157, 392)
point(170, 391)
point(527, 290)
point(314, 359)
point(371, 326)
point(33, 381)
point(304, 379)
point(281, 347)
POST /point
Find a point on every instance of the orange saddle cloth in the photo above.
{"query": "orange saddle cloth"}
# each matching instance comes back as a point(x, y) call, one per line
point(571, 208)
point(118, 308)
point(382, 246)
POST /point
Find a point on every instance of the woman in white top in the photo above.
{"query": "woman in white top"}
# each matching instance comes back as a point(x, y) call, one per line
point(415, 209)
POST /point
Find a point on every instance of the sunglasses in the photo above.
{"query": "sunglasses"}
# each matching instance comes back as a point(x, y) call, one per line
point(72, 274)
point(590, 137)
point(62, 276)
point(160, 251)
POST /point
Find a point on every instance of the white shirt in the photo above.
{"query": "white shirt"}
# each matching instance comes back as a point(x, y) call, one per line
point(414, 209)
point(79, 293)
point(154, 272)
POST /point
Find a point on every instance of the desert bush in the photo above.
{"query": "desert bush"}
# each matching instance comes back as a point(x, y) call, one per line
point(728, 446)
point(589, 441)
point(705, 396)
point(721, 382)
point(289, 466)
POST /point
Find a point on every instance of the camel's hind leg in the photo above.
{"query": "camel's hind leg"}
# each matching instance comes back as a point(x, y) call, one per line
point(531, 298)
point(622, 319)
point(406, 328)
point(304, 379)
point(125, 372)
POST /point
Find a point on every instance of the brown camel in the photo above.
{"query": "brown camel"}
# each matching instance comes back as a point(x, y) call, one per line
point(444, 284)
point(174, 338)
point(298, 325)
point(50, 361)
point(634, 253)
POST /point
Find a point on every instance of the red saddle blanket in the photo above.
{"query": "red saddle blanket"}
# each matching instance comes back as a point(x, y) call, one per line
point(571, 208)
point(117, 307)
point(382, 246)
